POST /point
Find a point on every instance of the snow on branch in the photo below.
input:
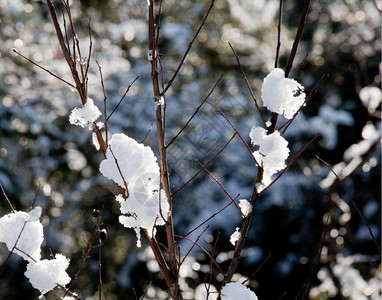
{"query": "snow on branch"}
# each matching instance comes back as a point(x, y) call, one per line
point(236, 290)
point(135, 165)
point(272, 151)
point(282, 95)
point(84, 116)
point(23, 234)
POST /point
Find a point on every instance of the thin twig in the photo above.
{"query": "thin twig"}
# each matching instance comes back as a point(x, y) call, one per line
point(126, 194)
point(291, 162)
point(196, 111)
point(104, 104)
point(220, 185)
point(206, 252)
point(192, 247)
point(279, 34)
point(42, 68)
point(188, 49)
point(85, 255)
point(248, 85)
point(207, 163)
point(353, 203)
point(301, 25)
point(206, 220)
point(6, 197)
point(123, 96)
point(259, 268)
point(316, 258)
point(234, 128)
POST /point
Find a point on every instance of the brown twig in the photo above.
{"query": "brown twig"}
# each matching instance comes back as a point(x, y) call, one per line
point(248, 85)
point(104, 104)
point(123, 97)
point(6, 197)
point(195, 112)
point(234, 128)
point(297, 39)
point(279, 34)
point(42, 68)
point(353, 203)
point(80, 85)
point(291, 162)
point(206, 252)
point(170, 272)
point(220, 185)
point(188, 48)
point(207, 163)
point(312, 92)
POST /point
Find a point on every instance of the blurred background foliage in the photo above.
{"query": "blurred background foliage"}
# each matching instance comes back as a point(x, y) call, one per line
point(40, 152)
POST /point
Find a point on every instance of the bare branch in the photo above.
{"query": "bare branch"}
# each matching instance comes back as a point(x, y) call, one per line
point(6, 197)
point(220, 185)
point(207, 163)
point(46, 70)
point(248, 85)
point(301, 25)
point(279, 34)
point(196, 111)
point(234, 128)
point(188, 49)
point(123, 97)
point(353, 203)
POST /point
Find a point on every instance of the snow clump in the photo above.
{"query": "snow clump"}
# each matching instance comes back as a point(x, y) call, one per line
point(236, 290)
point(29, 243)
point(245, 207)
point(45, 274)
point(235, 236)
point(85, 116)
point(23, 234)
point(272, 151)
point(282, 95)
point(133, 165)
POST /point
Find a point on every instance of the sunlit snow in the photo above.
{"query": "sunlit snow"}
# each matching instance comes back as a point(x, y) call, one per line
point(235, 236)
point(236, 290)
point(45, 274)
point(272, 153)
point(131, 164)
point(245, 207)
point(84, 116)
point(282, 95)
point(31, 236)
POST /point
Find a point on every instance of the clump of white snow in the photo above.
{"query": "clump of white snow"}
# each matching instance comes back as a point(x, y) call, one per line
point(135, 165)
point(31, 238)
point(282, 95)
point(236, 290)
point(25, 231)
point(133, 158)
point(235, 236)
point(45, 274)
point(85, 116)
point(272, 153)
point(245, 207)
